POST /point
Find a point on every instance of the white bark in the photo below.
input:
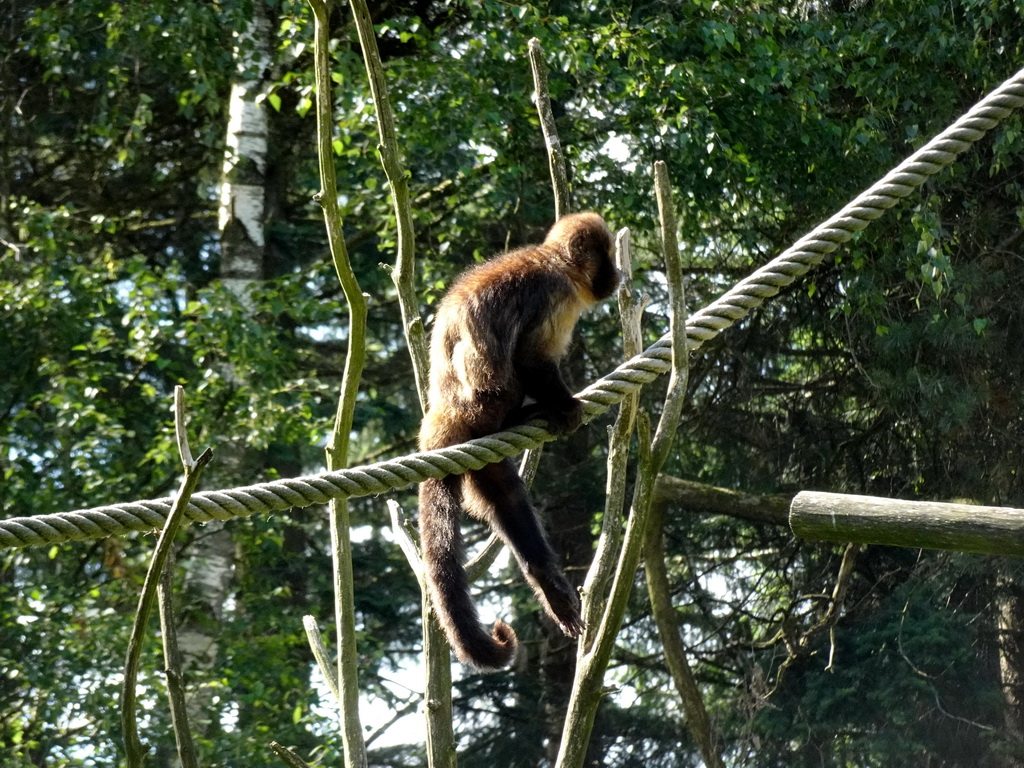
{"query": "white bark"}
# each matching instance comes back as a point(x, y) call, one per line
point(243, 186)
point(246, 143)
point(211, 561)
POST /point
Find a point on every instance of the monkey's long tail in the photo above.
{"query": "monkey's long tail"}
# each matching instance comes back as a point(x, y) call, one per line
point(441, 537)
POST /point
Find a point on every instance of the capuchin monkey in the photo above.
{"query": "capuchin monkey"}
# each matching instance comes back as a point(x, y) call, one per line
point(498, 337)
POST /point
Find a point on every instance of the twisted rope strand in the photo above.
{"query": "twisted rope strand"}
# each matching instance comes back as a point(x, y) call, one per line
point(705, 324)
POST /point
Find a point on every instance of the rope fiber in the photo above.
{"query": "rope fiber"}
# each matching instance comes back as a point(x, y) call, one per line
point(597, 398)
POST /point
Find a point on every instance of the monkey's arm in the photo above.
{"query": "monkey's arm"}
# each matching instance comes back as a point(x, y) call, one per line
point(542, 380)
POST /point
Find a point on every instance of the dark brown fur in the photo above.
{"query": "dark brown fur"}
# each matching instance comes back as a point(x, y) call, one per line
point(498, 336)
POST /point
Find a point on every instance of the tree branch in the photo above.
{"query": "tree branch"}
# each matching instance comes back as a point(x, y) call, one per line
point(592, 662)
point(556, 160)
point(697, 719)
point(337, 449)
point(404, 271)
point(712, 500)
point(602, 568)
point(134, 750)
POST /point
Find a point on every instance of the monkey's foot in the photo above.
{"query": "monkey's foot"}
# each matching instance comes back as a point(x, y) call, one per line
point(571, 625)
point(562, 604)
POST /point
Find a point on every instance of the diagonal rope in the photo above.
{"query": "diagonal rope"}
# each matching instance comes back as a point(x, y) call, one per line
point(702, 326)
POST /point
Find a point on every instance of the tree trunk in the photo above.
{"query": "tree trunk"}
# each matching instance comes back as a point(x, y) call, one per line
point(1010, 601)
point(212, 559)
point(243, 189)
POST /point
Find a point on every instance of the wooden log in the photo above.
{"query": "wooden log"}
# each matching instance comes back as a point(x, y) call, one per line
point(700, 498)
point(927, 524)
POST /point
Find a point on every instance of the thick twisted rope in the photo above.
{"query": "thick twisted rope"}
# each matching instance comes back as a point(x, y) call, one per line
point(702, 326)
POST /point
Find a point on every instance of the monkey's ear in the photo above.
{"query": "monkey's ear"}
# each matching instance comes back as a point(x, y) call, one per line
point(590, 240)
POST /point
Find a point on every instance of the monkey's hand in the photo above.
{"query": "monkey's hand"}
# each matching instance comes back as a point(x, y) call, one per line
point(566, 420)
point(560, 420)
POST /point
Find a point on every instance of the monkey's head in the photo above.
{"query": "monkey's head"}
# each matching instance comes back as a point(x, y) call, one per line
point(586, 242)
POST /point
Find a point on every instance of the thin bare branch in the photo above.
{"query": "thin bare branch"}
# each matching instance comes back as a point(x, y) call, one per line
point(288, 757)
point(135, 752)
point(323, 659)
point(337, 449)
point(556, 159)
point(187, 755)
point(602, 568)
point(404, 272)
point(676, 661)
point(593, 661)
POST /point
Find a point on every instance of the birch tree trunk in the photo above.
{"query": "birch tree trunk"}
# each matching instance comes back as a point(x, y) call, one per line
point(243, 189)
point(212, 558)
point(1010, 606)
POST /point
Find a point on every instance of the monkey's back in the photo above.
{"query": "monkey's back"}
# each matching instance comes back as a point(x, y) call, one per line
point(492, 316)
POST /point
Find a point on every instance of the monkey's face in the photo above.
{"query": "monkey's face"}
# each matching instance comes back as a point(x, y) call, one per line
point(594, 244)
point(605, 278)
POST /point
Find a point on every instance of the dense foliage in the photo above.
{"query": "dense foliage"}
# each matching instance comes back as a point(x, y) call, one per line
point(895, 370)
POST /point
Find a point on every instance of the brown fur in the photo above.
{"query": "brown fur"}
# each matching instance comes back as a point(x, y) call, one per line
point(498, 336)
